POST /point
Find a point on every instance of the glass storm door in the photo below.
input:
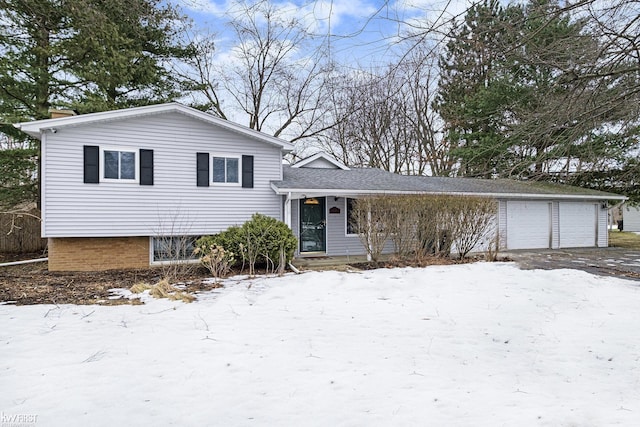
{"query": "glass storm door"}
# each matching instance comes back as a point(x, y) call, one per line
point(313, 223)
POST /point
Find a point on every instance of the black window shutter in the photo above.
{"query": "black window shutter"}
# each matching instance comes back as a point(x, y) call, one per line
point(91, 164)
point(146, 167)
point(247, 171)
point(203, 169)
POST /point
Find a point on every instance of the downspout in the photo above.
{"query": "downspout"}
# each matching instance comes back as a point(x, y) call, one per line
point(369, 232)
point(287, 210)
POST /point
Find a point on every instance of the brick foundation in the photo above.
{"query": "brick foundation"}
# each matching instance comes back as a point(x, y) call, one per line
point(98, 253)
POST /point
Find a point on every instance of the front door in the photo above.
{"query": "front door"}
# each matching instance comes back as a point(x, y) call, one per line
point(313, 223)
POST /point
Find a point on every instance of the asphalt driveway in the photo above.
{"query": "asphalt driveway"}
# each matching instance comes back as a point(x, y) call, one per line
point(617, 262)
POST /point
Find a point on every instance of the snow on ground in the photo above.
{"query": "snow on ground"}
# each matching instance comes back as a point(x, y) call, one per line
point(470, 345)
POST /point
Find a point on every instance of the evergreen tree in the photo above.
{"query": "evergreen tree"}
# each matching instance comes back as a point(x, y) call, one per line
point(89, 55)
point(475, 87)
point(522, 95)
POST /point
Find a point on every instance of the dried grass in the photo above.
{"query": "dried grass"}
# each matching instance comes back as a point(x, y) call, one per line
point(140, 287)
point(163, 289)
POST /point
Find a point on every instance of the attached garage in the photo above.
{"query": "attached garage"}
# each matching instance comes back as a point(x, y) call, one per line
point(578, 224)
point(529, 224)
point(531, 215)
point(552, 223)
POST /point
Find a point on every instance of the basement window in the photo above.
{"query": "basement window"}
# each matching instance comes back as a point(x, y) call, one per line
point(170, 249)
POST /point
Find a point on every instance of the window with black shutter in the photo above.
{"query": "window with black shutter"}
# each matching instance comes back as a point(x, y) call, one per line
point(146, 167)
point(202, 169)
point(247, 171)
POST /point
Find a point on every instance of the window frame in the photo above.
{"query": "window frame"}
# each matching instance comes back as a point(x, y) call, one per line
point(103, 168)
point(226, 157)
point(152, 252)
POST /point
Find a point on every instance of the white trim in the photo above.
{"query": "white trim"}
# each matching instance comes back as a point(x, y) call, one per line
point(299, 192)
point(43, 186)
point(225, 183)
point(102, 167)
point(37, 127)
point(320, 155)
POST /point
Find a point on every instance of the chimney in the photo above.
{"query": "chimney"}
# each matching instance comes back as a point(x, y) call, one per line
point(56, 114)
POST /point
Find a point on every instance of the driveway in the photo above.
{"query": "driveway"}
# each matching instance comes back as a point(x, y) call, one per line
point(617, 262)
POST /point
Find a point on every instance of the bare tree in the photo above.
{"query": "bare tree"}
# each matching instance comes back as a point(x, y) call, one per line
point(386, 120)
point(275, 75)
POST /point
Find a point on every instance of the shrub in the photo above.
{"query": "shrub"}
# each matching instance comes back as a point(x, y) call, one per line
point(230, 239)
point(472, 220)
point(262, 240)
point(423, 224)
point(214, 257)
point(372, 217)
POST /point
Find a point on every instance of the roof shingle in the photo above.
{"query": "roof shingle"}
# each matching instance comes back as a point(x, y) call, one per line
point(361, 181)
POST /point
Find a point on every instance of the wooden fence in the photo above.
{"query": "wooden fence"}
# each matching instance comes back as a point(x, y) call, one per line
point(20, 233)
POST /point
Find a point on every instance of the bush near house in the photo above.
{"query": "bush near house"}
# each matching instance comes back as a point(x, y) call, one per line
point(261, 240)
point(422, 225)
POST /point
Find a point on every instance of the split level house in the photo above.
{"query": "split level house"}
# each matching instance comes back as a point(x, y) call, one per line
point(114, 183)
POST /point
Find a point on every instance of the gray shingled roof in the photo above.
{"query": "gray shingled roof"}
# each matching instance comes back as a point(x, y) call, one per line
point(368, 180)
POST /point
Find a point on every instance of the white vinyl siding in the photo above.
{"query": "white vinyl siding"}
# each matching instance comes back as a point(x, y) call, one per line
point(631, 218)
point(578, 224)
point(174, 205)
point(502, 224)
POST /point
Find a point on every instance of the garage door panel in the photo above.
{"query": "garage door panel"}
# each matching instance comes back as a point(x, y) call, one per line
point(578, 223)
point(528, 224)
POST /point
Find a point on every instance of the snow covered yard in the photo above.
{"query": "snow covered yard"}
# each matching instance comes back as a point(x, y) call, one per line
point(470, 345)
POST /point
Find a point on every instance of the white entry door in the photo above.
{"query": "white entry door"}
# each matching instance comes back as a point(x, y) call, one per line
point(578, 224)
point(528, 224)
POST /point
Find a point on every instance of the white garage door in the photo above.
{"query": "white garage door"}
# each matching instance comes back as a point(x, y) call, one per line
point(528, 225)
point(577, 224)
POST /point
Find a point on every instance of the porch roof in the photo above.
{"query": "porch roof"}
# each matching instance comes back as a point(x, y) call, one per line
point(301, 182)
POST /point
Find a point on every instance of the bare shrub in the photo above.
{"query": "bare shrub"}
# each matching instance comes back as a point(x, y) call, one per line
point(372, 217)
point(423, 225)
point(472, 220)
point(434, 225)
point(177, 256)
point(402, 221)
point(173, 242)
point(491, 254)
